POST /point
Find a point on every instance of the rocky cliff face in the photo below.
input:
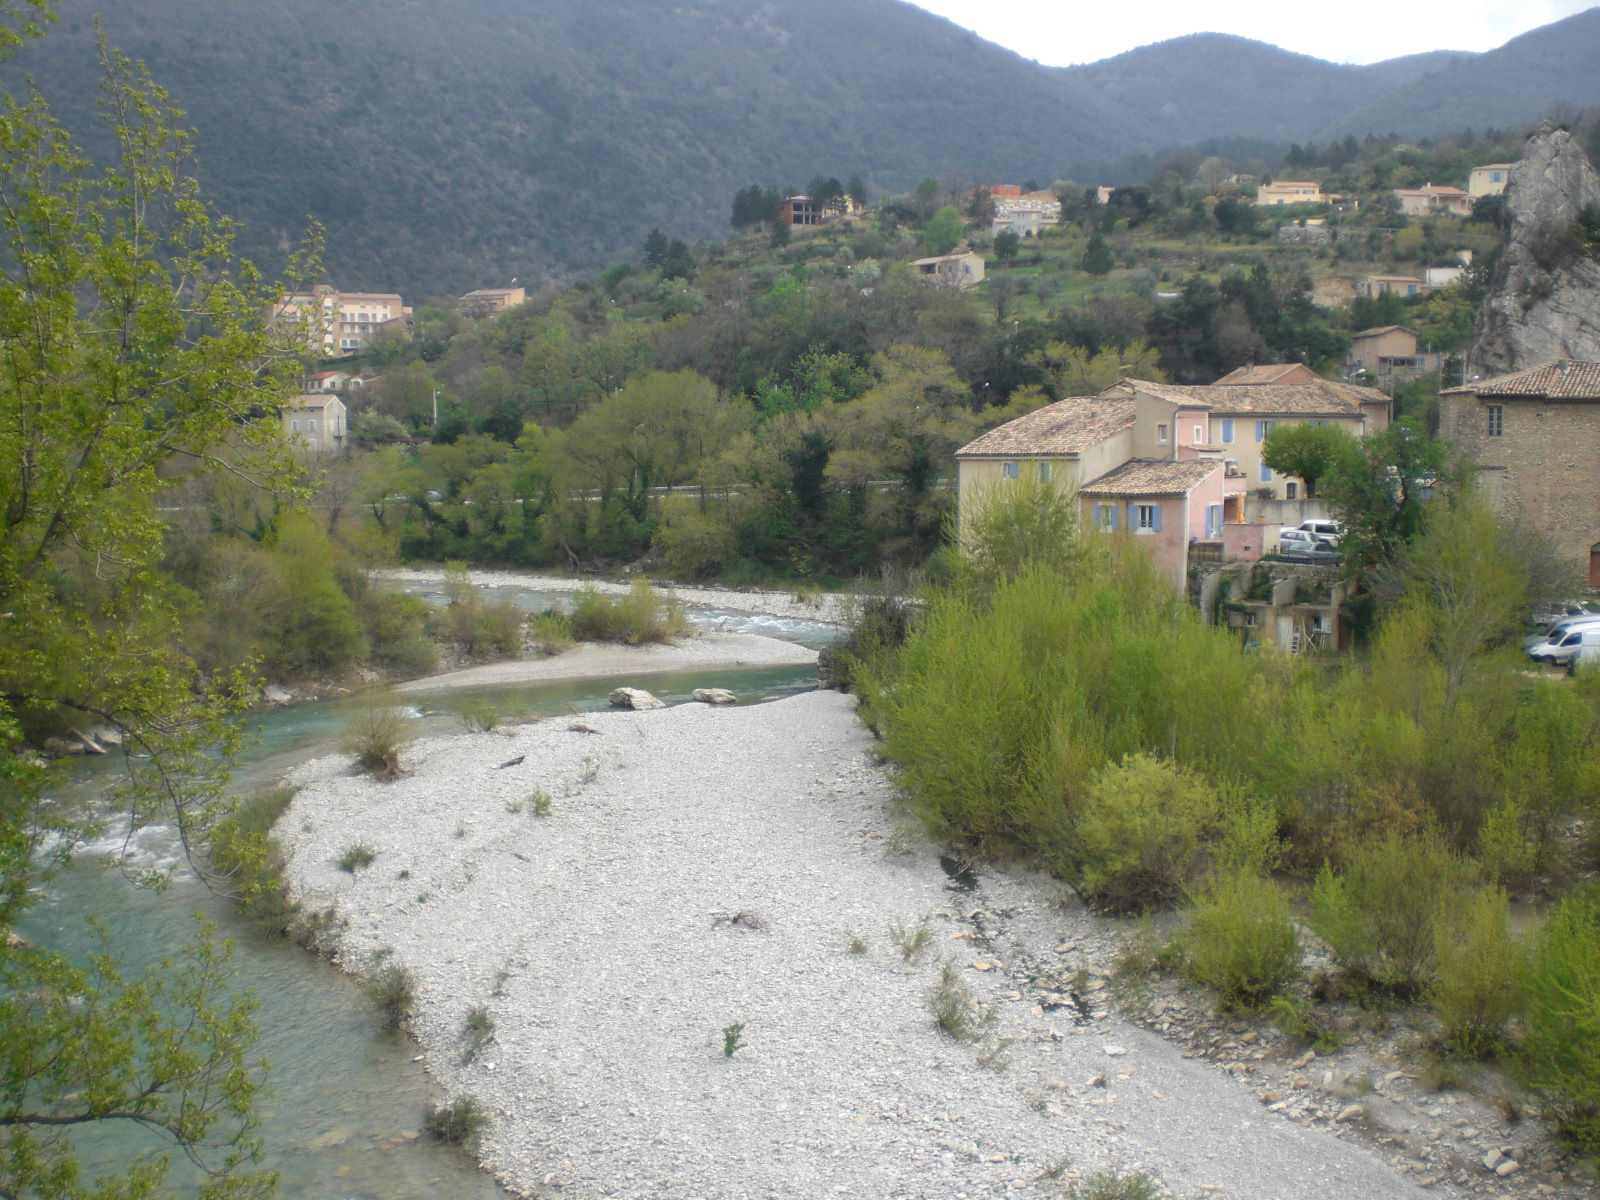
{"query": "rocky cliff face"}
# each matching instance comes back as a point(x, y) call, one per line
point(1544, 301)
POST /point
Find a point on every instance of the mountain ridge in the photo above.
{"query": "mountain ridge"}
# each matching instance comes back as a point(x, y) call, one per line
point(539, 140)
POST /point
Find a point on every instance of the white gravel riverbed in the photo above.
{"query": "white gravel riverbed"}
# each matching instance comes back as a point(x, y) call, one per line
point(700, 867)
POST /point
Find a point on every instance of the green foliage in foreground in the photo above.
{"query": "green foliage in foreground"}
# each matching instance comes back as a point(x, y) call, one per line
point(136, 357)
point(1562, 1024)
point(89, 1045)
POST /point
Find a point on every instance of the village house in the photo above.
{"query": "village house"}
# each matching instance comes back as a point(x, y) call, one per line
point(1535, 437)
point(1271, 373)
point(1172, 464)
point(331, 381)
point(490, 302)
point(961, 271)
point(1374, 286)
point(1488, 180)
point(1289, 191)
point(317, 421)
point(1430, 200)
point(1026, 214)
point(1388, 353)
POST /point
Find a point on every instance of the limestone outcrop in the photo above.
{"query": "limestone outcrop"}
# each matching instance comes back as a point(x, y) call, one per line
point(1544, 300)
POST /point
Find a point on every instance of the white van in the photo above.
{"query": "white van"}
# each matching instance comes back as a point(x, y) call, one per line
point(1562, 648)
point(1587, 656)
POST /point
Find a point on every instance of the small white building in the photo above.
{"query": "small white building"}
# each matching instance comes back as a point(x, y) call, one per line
point(316, 420)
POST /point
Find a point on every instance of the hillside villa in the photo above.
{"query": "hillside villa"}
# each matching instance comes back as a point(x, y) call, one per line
point(337, 324)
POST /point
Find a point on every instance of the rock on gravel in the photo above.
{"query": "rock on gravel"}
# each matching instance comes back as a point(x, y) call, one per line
point(701, 867)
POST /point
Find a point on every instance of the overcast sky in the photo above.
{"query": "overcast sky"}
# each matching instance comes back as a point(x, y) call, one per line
point(1358, 31)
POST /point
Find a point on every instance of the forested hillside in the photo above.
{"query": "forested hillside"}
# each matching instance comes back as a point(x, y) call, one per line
point(452, 147)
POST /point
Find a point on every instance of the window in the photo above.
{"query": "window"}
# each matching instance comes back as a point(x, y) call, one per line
point(1147, 518)
point(1008, 470)
point(1105, 516)
point(1266, 473)
point(294, 424)
point(1044, 472)
point(1227, 430)
point(1497, 419)
point(1291, 490)
point(1213, 521)
point(1263, 428)
point(1199, 433)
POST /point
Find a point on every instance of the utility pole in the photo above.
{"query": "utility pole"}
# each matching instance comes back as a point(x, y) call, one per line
point(436, 408)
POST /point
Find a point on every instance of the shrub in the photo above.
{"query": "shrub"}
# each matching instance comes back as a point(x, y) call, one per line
point(480, 716)
point(693, 543)
point(1379, 916)
point(249, 862)
point(550, 633)
point(476, 1029)
point(957, 1014)
point(396, 627)
point(1138, 833)
point(394, 993)
point(375, 734)
point(878, 627)
point(457, 1123)
point(1478, 973)
point(1240, 940)
point(356, 857)
point(1112, 1184)
point(1508, 853)
point(639, 616)
point(1561, 1026)
point(732, 1038)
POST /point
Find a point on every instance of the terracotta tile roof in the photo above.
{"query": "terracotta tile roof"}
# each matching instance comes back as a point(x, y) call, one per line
point(317, 400)
point(1322, 398)
point(1565, 379)
point(1265, 373)
point(1142, 477)
point(1068, 426)
point(1379, 331)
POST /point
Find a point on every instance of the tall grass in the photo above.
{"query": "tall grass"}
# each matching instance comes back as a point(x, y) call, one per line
point(639, 616)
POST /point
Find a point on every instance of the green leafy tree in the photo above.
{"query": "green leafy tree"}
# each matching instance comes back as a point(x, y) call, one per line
point(945, 231)
point(1308, 452)
point(1006, 245)
point(1097, 257)
point(137, 352)
point(1379, 494)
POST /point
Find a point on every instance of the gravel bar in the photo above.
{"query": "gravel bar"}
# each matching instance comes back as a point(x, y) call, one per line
point(699, 868)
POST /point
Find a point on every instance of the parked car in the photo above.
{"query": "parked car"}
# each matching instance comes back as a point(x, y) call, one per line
point(1558, 631)
point(1323, 528)
point(1551, 611)
point(1562, 649)
point(1301, 540)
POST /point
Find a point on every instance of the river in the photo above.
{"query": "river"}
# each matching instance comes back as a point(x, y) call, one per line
point(343, 1116)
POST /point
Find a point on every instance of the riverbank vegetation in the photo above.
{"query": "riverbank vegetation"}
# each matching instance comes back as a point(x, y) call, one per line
point(1089, 720)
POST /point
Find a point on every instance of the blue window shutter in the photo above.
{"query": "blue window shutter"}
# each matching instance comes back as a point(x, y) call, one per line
point(1261, 431)
point(1156, 510)
point(1111, 511)
point(1227, 429)
point(1266, 473)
